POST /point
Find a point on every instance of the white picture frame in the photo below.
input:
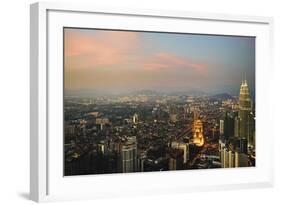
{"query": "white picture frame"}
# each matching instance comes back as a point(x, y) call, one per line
point(47, 182)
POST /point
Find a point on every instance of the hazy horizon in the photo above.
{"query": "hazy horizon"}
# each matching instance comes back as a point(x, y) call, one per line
point(124, 61)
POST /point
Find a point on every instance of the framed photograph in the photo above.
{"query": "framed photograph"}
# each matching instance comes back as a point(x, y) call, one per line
point(127, 102)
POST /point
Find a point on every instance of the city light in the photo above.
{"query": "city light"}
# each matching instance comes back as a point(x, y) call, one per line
point(155, 101)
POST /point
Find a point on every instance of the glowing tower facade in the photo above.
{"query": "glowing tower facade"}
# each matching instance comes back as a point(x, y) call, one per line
point(198, 137)
point(244, 114)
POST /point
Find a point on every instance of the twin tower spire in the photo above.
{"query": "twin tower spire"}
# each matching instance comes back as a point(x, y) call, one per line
point(244, 83)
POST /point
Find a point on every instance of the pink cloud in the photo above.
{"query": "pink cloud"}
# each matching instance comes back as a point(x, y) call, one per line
point(102, 49)
point(156, 66)
point(106, 49)
point(169, 60)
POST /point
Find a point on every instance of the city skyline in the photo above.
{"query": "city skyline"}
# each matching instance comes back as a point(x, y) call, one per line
point(148, 101)
point(115, 62)
point(146, 133)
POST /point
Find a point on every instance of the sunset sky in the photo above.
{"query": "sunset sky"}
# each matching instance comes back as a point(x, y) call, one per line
point(123, 61)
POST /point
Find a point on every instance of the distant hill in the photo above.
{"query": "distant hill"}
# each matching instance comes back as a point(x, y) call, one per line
point(223, 96)
point(158, 93)
point(145, 92)
point(194, 93)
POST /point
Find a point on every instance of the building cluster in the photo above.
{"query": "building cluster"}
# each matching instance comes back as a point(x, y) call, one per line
point(122, 155)
point(157, 133)
point(237, 130)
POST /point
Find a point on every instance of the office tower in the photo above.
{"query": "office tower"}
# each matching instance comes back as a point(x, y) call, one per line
point(184, 147)
point(225, 158)
point(222, 145)
point(231, 158)
point(244, 110)
point(135, 118)
point(241, 160)
point(237, 127)
point(102, 147)
point(243, 146)
point(176, 159)
point(129, 155)
point(233, 153)
point(229, 124)
point(141, 160)
point(221, 127)
point(252, 131)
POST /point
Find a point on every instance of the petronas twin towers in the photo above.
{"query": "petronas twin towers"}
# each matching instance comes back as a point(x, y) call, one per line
point(245, 115)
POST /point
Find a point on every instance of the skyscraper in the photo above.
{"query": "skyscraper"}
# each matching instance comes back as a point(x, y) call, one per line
point(176, 159)
point(244, 111)
point(135, 118)
point(129, 155)
point(252, 132)
point(229, 124)
point(221, 127)
point(184, 147)
point(237, 127)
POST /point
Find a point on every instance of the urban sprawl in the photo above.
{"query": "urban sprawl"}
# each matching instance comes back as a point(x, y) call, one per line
point(150, 131)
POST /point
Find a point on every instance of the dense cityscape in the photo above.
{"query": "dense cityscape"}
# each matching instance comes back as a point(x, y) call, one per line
point(143, 101)
point(148, 131)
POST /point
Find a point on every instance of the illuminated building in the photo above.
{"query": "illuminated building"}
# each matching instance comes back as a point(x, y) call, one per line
point(101, 147)
point(129, 155)
point(221, 127)
point(135, 118)
point(244, 110)
point(233, 153)
point(198, 137)
point(245, 122)
point(227, 157)
point(231, 158)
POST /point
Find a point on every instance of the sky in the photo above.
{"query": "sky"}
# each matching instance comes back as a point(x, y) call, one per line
point(125, 61)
